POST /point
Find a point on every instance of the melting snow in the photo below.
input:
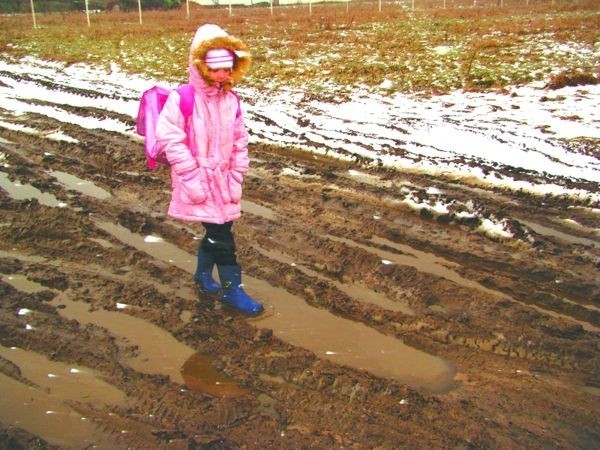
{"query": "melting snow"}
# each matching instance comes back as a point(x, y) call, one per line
point(489, 138)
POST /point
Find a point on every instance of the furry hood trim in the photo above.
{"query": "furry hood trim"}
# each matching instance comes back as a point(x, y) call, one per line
point(212, 37)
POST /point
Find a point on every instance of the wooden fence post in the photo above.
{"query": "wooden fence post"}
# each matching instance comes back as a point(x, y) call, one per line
point(33, 14)
point(87, 12)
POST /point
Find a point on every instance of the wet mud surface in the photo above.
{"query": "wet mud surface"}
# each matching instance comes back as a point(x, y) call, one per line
point(384, 327)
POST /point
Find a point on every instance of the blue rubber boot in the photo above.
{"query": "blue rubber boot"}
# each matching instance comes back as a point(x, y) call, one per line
point(203, 276)
point(233, 293)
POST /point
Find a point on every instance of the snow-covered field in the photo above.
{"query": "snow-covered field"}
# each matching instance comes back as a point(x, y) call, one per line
point(487, 138)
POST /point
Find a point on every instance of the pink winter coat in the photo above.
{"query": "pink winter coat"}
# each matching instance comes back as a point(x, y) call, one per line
point(208, 162)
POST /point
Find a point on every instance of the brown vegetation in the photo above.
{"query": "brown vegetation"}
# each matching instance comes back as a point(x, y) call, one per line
point(564, 79)
point(489, 46)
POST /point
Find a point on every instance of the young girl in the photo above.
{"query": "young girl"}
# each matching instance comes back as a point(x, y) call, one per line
point(208, 156)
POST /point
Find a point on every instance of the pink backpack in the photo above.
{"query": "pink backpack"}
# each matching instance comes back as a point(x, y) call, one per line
point(151, 104)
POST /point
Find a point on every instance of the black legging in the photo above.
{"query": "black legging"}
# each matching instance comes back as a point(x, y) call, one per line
point(218, 242)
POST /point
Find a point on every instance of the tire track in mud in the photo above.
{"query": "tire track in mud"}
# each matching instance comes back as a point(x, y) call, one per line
point(405, 138)
point(310, 217)
point(158, 404)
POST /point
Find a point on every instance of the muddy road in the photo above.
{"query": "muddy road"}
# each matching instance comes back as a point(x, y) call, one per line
point(384, 327)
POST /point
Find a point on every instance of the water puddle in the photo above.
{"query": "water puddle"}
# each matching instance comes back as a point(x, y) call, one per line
point(82, 186)
point(103, 242)
point(565, 237)
point(186, 316)
point(258, 210)
point(347, 342)
point(41, 407)
point(422, 261)
point(364, 294)
point(63, 381)
point(588, 307)
point(20, 191)
point(435, 265)
point(568, 384)
point(153, 245)
point(45, 415)
point(366, 178)
point(158, 352)
point(329, 336)
point(22, 283)
point(353, 290)
point(201, 376)
point(20, 256)
point(295, 321)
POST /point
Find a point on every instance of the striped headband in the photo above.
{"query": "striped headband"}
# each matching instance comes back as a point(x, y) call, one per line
point(219, 59)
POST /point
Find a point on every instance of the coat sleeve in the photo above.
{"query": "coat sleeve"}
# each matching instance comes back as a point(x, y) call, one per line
point(171, 136)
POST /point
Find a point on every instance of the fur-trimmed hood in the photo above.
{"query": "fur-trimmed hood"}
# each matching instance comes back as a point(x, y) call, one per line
point(210, 37)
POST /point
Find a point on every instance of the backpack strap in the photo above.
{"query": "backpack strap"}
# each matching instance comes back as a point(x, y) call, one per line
point(186, 102)
point(186, 105)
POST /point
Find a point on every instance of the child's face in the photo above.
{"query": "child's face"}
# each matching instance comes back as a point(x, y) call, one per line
point(219, 75)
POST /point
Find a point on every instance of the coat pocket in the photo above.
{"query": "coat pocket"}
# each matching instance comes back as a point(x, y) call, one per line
point(234, 184)
point(192, 191)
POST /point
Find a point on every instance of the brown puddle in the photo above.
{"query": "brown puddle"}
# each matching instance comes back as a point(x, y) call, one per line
point(327, 335)
point(82, 186)
point(290, 317)
point(20, 191)
point(547, 231)
point(158, 351)
point(199, 375)
point(352, 290)
point(43, 415)
point(258, 210)
point(41, 404)
point(430, 263)
point(63, 381)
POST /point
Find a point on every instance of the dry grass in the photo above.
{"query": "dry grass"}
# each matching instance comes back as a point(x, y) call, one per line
point(572, 79)
point(342, 45)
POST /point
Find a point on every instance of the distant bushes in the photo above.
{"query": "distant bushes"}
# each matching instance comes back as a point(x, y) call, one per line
point(24, 6)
